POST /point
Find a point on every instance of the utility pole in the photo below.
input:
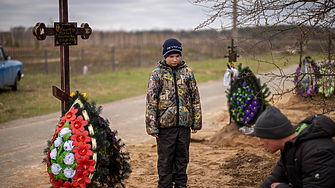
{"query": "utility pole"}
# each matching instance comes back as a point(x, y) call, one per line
point(234, 30)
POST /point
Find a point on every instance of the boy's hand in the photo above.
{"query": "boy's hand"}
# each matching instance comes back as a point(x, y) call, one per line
point(194, 131)
point(155, 135)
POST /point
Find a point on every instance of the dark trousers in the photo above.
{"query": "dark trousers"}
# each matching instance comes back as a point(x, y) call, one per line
point(173, 156)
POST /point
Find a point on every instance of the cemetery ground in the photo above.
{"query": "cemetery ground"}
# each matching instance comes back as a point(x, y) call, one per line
point(220, 155)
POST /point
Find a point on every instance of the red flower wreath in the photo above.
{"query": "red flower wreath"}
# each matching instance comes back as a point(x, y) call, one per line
point(82, 150)
point(79, 137)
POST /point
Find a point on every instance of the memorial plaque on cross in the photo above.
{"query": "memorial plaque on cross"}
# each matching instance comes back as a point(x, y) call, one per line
point(65, 34)
point(232, 57)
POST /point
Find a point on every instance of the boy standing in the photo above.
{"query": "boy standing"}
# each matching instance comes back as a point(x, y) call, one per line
point(173, 109)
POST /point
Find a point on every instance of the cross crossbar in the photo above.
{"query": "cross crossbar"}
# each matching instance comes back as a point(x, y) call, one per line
point(40, 31)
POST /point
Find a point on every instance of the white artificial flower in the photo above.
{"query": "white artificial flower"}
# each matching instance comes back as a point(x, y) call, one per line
point(69, 159)
point(69, 173)
point(64, 131)
point(56, 168)
point(58, 142)
point(68, 145)
point(53, 154)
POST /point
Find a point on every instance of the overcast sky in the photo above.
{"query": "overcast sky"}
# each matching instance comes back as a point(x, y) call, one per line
point(127, 15)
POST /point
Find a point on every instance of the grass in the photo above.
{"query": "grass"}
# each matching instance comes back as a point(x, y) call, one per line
point(34, 97)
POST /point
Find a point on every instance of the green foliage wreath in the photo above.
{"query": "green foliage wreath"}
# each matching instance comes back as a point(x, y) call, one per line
point(246, 97)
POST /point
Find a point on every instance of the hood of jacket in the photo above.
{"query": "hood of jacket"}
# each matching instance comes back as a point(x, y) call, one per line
point(163, 64)
point(318, 126)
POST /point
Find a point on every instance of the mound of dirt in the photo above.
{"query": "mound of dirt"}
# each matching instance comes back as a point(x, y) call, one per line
point(220, 155)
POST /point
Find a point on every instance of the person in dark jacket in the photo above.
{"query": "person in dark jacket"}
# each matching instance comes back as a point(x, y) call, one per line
point(173, 111)
point(307, 150)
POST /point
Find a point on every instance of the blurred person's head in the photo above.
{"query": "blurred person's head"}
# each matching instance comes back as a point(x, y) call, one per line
point(273, 129)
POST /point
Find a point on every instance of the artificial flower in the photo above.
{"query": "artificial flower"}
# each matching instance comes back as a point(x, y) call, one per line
point(247, 117)
point(118, 149)
point(84, 96)
point(298, 70)
point(48, 158)
point(82, 178)
point(51, 177)
point(85, 164)
point(80, 137)
point(64, 131)
point(68, 145)
point(58, 141)
point(70, 115)
point(314, 67)
point(79, 124)
point(254, 102)
point(82, 150)
point(57, 184)
point(247, 111)
point(69, 173)
point(56, 168)
point(296, 81)
point(71, 185)
point(102, 119)
point(69, 159)
point(72, 94)
point(309, 91)
point(113, 134)
point(244, 84)
point(60, 126)
point(53, 154)
point(234, 96)
point(252, 113)
point(254, 108)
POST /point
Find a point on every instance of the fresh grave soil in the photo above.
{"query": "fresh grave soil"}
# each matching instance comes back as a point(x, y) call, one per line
point(228, 158)
point(224, 158)
point(221, 156)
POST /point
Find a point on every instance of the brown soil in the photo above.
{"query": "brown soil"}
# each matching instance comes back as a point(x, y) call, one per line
point(222, 157)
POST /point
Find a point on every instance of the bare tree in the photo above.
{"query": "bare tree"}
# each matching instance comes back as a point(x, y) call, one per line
point(304, 19)
point(270, 13)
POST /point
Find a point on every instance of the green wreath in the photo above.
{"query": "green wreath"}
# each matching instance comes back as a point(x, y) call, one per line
point(246, 98)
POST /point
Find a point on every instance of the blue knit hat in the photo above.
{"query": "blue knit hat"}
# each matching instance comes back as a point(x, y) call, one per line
point(171, 46)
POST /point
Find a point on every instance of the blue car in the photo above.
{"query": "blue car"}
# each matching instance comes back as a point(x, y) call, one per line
point(10, 71)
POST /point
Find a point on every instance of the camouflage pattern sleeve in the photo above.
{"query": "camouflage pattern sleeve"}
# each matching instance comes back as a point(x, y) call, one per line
point(152, 103)
point(196, 105)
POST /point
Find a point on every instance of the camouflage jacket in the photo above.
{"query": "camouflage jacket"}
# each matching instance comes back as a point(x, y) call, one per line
point(167, 108)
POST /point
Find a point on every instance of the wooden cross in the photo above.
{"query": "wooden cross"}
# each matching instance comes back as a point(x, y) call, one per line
point(64, 31)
